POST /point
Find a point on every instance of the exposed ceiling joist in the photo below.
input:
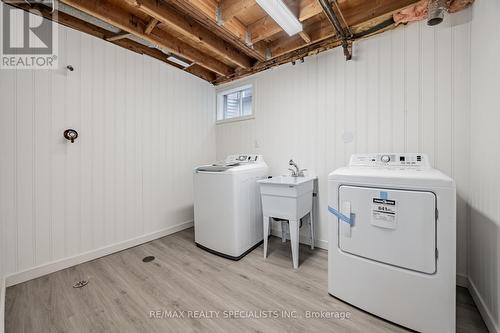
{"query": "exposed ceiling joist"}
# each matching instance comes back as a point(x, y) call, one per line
point(232, 8)
point(86, 27)
point(351, 14)
point(358, 12)
point(235, 27)
point(151, 25)
point(192, 30)
point(119, 36)
point(263, 28)
point(306, 51)
point(225, 40)
point(308, 9)
point(205, 11)
point(111, 14)
point(317, 32)
point(202, 72)
point(305, 37)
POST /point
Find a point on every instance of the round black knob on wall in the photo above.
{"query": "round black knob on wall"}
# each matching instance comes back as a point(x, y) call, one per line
point(70, 134)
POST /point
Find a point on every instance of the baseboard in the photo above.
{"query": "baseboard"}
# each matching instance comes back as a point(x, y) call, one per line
point(483, 309)
point(58, 265)
point(2, 304)
point(462, 281)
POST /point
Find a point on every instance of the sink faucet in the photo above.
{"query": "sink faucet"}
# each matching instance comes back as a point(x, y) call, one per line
point(297, 172)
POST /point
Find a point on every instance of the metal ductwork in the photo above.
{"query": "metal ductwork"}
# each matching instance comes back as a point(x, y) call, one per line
point(436, 10)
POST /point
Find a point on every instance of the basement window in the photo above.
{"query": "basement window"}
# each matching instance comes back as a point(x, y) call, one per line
point(235, 104)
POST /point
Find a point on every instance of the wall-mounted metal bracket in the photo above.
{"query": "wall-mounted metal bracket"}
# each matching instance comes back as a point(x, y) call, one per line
point(248, 38)
point(218, 16)
point(268, 54)
point(347, 46)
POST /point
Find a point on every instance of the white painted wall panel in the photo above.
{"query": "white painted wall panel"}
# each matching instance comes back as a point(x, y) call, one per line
point(405, 91)
point(143, 125)
point(484, 255)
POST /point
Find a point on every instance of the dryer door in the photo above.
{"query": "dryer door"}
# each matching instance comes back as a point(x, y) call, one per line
point(395, 227)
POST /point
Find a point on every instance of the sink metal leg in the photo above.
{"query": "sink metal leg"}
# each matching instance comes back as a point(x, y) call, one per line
point(266, 234)
point(294, 240)
point(283, 231)
point(311, 225)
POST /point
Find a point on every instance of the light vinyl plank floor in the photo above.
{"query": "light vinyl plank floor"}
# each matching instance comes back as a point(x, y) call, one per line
point(123, 290)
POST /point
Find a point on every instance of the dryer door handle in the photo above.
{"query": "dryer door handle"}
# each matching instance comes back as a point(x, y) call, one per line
point(343, 216)
point(345, 228)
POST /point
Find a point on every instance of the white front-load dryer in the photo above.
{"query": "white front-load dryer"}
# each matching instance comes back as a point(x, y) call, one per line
point(227, 205)
point(392, 240)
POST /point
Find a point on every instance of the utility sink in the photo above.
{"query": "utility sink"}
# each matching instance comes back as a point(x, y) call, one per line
point(286, 197)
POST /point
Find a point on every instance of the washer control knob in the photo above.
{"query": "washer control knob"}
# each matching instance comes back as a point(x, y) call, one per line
point(385, 158)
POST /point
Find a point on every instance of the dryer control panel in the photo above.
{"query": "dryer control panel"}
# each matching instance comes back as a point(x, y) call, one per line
point(396, 160)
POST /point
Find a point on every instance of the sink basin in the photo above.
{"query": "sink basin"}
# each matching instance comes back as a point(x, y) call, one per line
point(287, 180)
point(286, 186)
point(286, 197)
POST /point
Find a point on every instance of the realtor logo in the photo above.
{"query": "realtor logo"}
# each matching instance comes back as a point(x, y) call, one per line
point(28, 40)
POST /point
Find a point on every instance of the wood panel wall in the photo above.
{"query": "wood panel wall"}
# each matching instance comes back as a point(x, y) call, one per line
point(484, 254)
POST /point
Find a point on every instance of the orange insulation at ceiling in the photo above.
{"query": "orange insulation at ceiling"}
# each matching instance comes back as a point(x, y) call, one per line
point(418, 11)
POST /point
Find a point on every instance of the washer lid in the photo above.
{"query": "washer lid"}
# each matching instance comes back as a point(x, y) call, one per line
point(215, 168)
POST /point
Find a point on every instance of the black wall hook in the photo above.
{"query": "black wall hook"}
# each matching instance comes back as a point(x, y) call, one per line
point(70, 134)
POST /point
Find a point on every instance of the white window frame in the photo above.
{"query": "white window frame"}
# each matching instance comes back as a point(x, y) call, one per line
point(220, 102)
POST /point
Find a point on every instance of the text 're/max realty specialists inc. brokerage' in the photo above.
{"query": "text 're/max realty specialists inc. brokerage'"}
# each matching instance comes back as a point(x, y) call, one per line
point(248, 314)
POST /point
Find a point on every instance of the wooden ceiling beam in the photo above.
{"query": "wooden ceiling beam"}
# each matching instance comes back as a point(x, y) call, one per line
point(118, 36)
point(357, 12)
point(308, 9)
point(88, 28)
point(353, 15)
point(303, 52)
point(317, 32)
point(205, 11)
point(323, 35)
point(236, 28)
point(305, 37)
point(202, 72)
point(151, 25)
point(193, 30)
point(232, 8)
point(117, 17)
point(263, 29)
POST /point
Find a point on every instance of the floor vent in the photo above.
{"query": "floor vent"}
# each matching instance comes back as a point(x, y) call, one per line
point(81, 284)
point(148, 259)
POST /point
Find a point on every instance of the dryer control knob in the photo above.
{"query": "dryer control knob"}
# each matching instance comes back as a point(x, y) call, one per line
point(385, 158)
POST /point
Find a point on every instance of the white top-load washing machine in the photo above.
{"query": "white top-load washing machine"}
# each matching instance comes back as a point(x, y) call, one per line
point(392, 240)
point(227, 205)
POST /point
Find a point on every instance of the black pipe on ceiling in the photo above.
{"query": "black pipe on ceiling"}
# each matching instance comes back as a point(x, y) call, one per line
point(334, 20)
